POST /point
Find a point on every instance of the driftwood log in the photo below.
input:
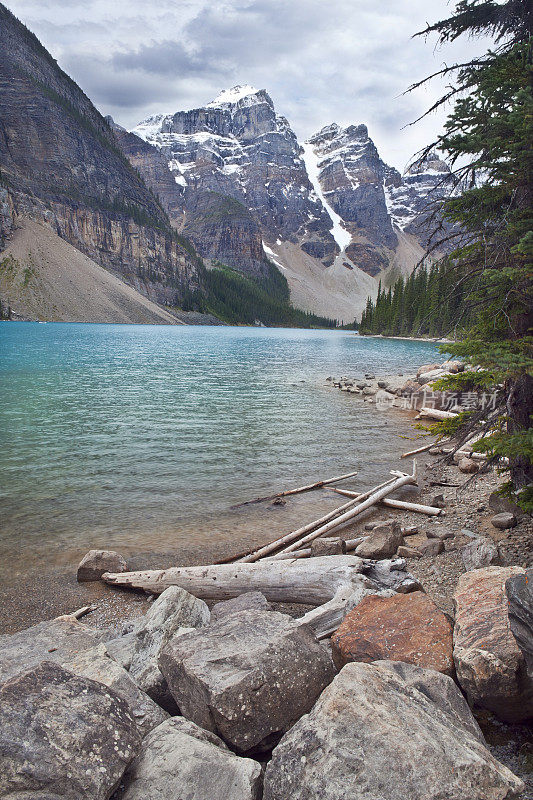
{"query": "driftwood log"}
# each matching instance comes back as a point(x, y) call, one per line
point(266, 549)
point(405, 505)
point(418, 450)
point(435, 413)
point(312, 581)
point(306, 552)
point(308, 488)
point(373, 498)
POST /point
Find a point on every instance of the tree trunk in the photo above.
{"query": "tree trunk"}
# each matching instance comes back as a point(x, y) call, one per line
point(520, 409)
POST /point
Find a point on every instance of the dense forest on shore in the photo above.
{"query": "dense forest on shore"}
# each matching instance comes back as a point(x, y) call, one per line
point(240, 299)
point(430, 302)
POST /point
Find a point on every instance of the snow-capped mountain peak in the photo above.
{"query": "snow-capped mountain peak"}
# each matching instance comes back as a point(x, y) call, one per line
point(235, 95)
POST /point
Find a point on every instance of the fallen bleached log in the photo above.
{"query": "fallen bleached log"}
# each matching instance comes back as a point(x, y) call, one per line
point(467, 454)
point(305, 552)
point(309, 487)
point(431, 511)
point(82, 612)
point(374, 498)
point(418, 450)
point(312, 581)
point(435, 413)
point(261, 552)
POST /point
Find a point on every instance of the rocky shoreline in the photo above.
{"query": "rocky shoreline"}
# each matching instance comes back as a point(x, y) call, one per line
point(244, 699)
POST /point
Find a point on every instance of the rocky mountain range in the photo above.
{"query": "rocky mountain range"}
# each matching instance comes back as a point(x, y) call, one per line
point(228, 183)
point(330, 213)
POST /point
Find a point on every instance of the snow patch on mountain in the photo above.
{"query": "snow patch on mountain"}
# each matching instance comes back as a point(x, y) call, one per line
point(234, 95)
point(311, 161)
point(272, 256)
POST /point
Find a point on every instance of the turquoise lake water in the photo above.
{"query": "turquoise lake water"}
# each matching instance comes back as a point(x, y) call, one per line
point(138, 437)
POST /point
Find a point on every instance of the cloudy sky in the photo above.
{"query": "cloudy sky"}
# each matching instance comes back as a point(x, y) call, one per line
point(347, 61)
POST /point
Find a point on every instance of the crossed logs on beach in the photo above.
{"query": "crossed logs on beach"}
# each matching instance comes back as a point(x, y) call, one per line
point(276, 569)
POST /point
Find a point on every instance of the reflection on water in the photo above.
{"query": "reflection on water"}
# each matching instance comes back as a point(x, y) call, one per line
point(142, 437)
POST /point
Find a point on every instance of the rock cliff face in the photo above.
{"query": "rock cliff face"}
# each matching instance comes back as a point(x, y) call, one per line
point(243, 187)
point(60, 164)
point(239, 148)
point(413, 199)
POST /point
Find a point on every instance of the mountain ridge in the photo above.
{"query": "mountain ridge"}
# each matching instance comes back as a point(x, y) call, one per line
point(61, 165)
point(331, 199)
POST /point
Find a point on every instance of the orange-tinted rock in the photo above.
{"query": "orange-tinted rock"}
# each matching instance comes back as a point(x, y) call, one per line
point(490, 666)
point(405, 627)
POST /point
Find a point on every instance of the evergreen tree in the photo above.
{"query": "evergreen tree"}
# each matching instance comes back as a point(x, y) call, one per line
point(488, 139)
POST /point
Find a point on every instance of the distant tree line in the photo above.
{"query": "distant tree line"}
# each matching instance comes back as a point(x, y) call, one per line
point(430, 302)
point(237, 298)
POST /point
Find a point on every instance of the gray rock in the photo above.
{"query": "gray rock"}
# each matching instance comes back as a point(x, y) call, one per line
point(438, 501)
point(439, 533)
point(248, 677)
point(98, 666)
point(387, 731)
point(63, 737)
point(369, 526)
point(121, 649)
point(55, 640)
point(409, 552)
point(173, 610)
point(244, 602)
point(432, 375)
point(468, 466)
point(180, 760)
point(470, 534)
point(503, 521)
point(519, 590)
point(501, 505)
point(391, 574)
point(433, 547)
point(482, 552)
point(327, 547)
point(96, 562)
point(382, 542)
point(383, 384)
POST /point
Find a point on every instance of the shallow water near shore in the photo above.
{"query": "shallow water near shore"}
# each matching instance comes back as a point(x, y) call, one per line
point(140, 438)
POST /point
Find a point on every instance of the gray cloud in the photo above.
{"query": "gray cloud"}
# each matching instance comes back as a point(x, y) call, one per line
point(347, 61)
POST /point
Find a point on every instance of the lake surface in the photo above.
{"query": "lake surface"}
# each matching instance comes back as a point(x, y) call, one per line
point(142, 437)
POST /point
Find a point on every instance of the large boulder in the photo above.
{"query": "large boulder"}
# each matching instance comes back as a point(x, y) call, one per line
point(404, 627)
point(55, 640)
point(382, 542)
point(490, 666)
point(98, 666)
point(63, 737)
point(121, 649)
point(243, 602)
point(519, 590)
point(96, 562)
point(174, 609)
point(248, 677)
point(180, 760)
point(425, 368)
point(479, 553)
point(387, 731)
